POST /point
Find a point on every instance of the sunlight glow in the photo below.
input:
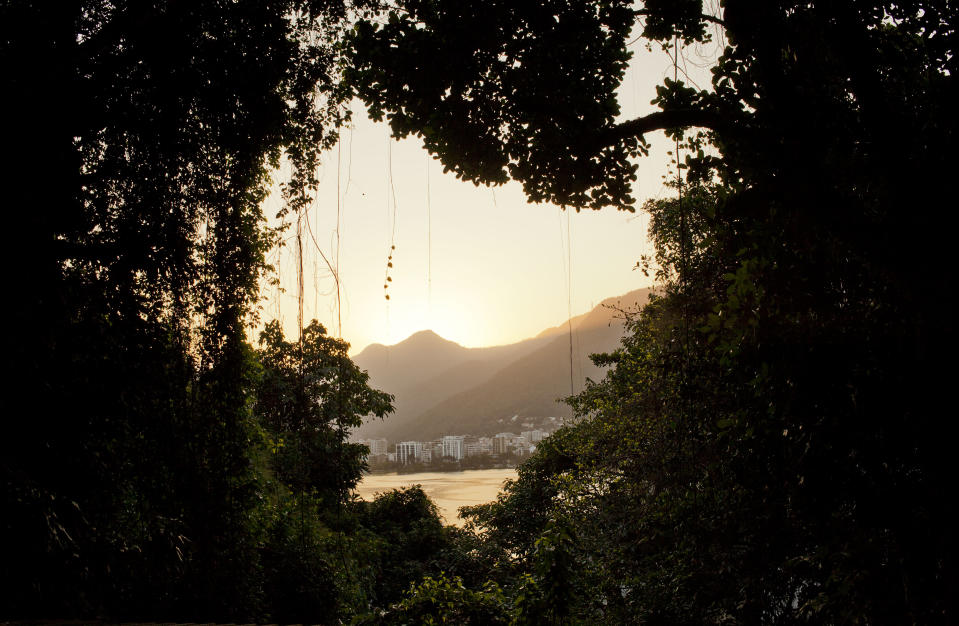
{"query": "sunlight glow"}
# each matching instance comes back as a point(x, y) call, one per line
point(478, 266)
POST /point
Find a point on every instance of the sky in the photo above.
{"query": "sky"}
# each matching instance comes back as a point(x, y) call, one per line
point(478, 265)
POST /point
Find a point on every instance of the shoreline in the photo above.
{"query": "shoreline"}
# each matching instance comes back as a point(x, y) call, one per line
point(427, 469)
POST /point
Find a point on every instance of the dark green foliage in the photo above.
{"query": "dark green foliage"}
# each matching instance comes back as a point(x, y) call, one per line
point(447, 601)
point(313, 572)
point(413, 539)
point(300, 572)
point(309, 397)
point(510, 527)
point(141, 136)
point(771, 446)
point(319, 563)
point(468, 78)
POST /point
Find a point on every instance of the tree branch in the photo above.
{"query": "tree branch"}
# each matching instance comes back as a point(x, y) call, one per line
point(704, 17)
point(661, 120)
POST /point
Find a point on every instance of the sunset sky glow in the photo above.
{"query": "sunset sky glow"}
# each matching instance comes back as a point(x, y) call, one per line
point(480, 266)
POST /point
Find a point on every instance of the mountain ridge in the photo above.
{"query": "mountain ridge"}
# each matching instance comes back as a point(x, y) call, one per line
point(441, 387)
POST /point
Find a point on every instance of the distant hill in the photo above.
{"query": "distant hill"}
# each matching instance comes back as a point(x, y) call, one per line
point(444, 388)
point(425, 369)
point(416, 358)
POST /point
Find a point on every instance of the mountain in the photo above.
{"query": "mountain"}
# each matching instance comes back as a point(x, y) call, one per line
point(442, 388)
point(425, 369)
point(416, 358)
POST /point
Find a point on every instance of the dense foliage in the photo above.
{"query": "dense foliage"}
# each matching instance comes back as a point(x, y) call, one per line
point(480, 105)
point(142, 136)
point(310, 395)
point(770, 445)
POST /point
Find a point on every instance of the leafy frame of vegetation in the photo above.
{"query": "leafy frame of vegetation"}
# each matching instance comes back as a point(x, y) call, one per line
point(769, 447)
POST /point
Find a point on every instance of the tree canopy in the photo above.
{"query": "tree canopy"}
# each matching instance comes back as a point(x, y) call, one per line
point(142, 135)
point(769, 446)
point(309, 397)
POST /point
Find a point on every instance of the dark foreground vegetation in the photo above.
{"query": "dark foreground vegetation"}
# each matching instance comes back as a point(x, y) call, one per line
point(771, 444)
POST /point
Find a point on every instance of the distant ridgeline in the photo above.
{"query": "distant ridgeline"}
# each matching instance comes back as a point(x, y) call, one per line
point(442, 388)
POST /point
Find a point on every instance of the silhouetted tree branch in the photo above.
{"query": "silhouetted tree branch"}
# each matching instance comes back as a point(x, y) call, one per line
point(704, 17)
point(662, 120)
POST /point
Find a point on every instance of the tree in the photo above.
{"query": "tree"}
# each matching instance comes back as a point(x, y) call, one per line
point(444, 601)
point(773, 418)
point(480, 107)
point(412, 536)
point(309, 398)
point(143, 135)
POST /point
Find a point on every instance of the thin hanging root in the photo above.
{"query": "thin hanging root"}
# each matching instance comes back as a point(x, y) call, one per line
point(391, 193)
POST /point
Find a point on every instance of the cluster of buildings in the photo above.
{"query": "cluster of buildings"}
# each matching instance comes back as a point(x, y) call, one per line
point(452, 448)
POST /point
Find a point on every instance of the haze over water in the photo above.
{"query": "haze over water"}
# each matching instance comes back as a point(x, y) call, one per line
point(449, 490)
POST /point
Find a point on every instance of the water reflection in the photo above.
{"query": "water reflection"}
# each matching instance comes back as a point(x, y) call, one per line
point(449, 490)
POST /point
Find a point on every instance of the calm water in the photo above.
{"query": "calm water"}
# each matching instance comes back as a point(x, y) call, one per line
point(449, 490)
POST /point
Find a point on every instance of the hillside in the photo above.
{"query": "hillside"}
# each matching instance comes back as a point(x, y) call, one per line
point(444, 388)
point(425, 369)
point(535, 384)
point(418, 357)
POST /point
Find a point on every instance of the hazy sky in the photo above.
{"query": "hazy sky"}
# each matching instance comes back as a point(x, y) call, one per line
point(478, 265)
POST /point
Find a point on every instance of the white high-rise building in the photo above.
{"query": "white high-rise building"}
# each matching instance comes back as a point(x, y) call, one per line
point(534, 436)
point(453, 446)
point(409, 452)
point(502, 443)
point(483, 445)
point(377, 446)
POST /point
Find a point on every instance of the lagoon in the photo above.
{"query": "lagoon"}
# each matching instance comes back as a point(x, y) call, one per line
point(449, 490)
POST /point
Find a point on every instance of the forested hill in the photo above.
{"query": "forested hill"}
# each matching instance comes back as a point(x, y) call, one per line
point(442, 388)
